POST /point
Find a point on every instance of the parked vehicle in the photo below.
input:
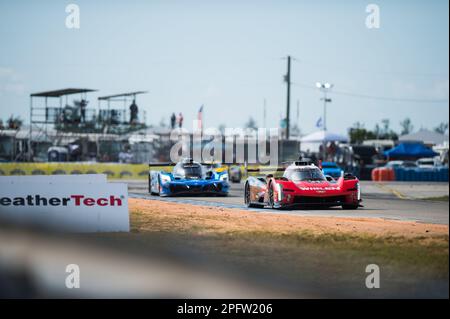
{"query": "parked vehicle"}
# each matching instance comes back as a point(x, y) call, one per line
point(396, 164)
point(331, 169)
point(235, 174)
point(428, 162)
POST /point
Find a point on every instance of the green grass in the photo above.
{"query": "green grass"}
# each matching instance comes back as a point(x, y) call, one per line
point(331, 264)
point(327, 265)
point(437, 199)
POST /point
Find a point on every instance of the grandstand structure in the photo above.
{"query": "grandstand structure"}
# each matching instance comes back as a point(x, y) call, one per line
point(61, 117)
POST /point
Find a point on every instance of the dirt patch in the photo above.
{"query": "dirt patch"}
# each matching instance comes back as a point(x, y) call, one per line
point(164, 216)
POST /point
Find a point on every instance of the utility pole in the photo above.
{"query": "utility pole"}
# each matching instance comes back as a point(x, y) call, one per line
point(325, 100)
point(30, 145)
point(288, 97)
point(324, 87)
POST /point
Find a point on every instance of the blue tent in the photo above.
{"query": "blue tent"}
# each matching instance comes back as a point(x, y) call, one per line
point(410, 150)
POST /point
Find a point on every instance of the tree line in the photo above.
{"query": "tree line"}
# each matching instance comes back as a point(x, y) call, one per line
point(383, 131)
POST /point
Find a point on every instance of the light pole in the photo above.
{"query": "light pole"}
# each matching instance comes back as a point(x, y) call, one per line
point(288, 96)
point(324, 87)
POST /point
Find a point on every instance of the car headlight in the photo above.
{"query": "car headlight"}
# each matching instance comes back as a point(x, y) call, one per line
point(224, 177)
point(165, 179)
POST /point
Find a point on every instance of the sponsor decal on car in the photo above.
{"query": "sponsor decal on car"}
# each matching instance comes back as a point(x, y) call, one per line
point(320, 188)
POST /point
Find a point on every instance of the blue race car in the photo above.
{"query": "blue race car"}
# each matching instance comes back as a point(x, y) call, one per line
point(331, 169)
point(188, 178)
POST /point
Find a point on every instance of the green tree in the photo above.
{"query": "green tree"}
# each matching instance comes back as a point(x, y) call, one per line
point(358, 133)
point(251, 124)
point(441, 128)
point(377, 131)
point(14, 122)
point(406, 126)
point(162, 122)
point(295, 130)
point(386, 126)
point(385, 132)
point(221, 128)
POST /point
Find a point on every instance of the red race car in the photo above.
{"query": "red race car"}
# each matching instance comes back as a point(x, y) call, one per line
point(302, 185)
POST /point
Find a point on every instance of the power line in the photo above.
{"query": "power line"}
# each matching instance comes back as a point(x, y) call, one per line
point(373, 72)
point(375, 97)
point(392, 99)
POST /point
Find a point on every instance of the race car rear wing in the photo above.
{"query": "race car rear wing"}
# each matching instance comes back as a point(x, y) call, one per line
point(173, 164)
point(266, 169)
point(162, 164)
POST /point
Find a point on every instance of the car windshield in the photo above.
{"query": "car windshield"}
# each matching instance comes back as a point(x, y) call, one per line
point(409, 164)
point(299, 175)
point(329, 166)
point(211, 166)
point(192, 171)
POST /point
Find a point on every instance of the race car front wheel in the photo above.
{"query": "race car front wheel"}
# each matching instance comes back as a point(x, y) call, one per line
point(150, 186)
point(350, 206)
point(149, 183)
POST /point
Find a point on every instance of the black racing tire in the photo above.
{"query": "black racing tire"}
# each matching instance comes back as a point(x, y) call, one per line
point(149, 183)
point(150, 187)
point(247, 200)
point(221, 195)
point(271, 201)
point(350, 206)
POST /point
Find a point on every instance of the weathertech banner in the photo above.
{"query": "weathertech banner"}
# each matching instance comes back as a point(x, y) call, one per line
point(66, 206)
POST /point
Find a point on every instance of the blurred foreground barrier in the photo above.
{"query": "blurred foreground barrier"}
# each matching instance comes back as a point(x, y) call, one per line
point(79, 203)
point(439, 174)
point(112, 170)
point(33, 264)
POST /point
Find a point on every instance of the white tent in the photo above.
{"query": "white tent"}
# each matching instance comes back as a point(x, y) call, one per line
point(323, 137)
point(425, 136)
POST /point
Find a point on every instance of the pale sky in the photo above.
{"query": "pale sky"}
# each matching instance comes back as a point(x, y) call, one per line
point(228, 55)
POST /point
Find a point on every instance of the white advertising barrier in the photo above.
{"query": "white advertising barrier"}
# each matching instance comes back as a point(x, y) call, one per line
point(76, 207)
point(82, 178)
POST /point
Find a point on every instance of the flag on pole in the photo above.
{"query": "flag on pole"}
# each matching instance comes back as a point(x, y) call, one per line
point(319, 123)
point(200, 117)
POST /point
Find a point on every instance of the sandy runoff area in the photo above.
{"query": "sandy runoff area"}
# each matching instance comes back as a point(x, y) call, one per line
point(165, 216)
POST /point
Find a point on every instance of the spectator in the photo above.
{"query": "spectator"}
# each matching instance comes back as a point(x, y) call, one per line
point(331, 151)
point(83, 105)
point(133, 112)
point(173, 120)
point(321, 152)
point(180, 120)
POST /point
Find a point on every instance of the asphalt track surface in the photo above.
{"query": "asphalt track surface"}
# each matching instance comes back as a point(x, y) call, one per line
point(376, 204)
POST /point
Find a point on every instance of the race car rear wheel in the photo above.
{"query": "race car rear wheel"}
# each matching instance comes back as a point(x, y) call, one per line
point(271, 201)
